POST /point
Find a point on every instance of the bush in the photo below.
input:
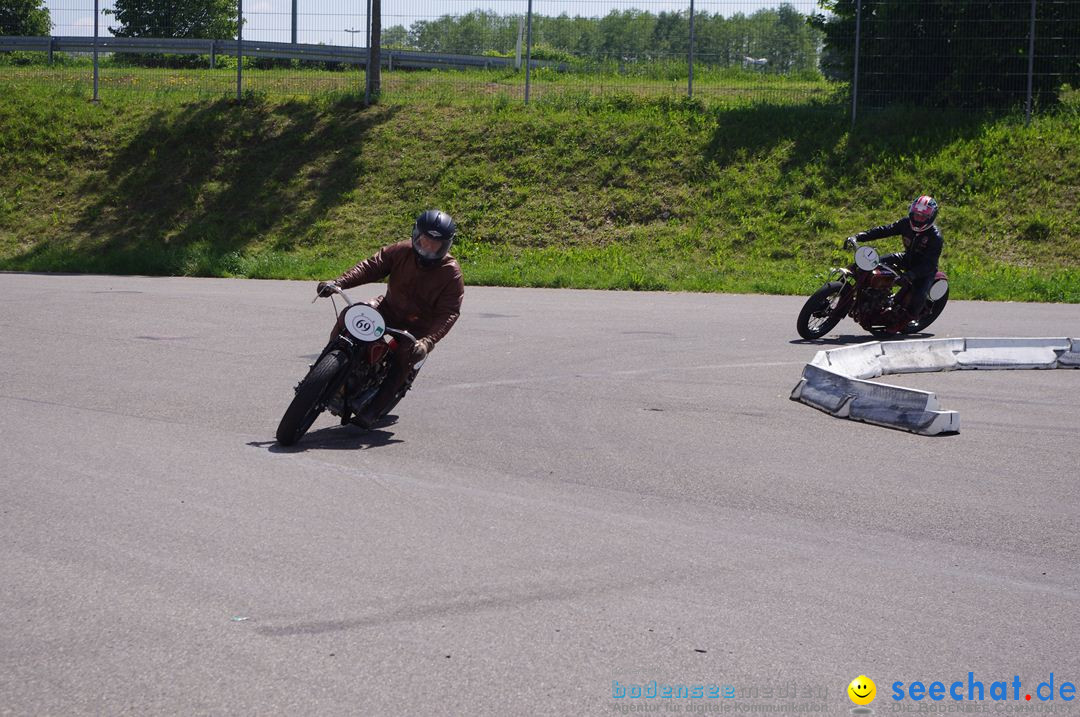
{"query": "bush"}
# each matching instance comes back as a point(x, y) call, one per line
point(158, 60)
point(21, 58)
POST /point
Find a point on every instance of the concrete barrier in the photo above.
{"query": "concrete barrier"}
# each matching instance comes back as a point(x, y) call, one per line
point(920, 356)
point(879, 403)
point(1012, 353)
point(1070, 358)
point(835, 380)
point(859, 361)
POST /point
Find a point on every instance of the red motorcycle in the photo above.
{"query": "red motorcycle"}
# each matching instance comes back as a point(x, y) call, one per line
point(348, 372)
point(869, 292)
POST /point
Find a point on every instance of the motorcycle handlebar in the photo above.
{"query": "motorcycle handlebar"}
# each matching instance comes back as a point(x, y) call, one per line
point(401, 334)
point(335, 289)
point(396, 333)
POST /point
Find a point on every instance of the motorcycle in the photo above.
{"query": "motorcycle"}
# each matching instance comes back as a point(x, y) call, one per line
point(348, 373)
point(871, 293)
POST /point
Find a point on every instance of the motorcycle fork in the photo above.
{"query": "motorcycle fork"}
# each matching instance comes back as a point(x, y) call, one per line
point(340, 385)
point(847, 299)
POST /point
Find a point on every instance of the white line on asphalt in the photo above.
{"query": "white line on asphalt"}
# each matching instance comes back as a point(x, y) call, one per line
point(605, 374)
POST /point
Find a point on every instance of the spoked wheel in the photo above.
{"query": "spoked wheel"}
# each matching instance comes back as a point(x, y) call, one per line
point(819, 314)
point(310, 399)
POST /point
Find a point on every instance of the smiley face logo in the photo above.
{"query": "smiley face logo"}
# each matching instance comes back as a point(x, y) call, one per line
point(862, 690)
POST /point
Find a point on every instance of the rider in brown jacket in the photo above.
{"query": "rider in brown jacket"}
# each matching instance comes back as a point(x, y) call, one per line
point(424, 289)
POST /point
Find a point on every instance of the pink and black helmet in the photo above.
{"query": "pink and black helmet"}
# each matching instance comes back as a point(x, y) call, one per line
point(922, 213)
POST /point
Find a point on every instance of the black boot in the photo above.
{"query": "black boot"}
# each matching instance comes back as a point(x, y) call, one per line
point(372, 412)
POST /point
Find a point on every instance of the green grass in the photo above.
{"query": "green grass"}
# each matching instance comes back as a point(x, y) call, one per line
point(658, 79)
point(617, 189)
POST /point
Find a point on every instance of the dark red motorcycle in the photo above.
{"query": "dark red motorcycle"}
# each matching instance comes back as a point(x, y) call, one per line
point(869, 292)
point(348, 372)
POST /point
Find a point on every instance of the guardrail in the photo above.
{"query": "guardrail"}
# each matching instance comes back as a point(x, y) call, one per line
point(391, 58)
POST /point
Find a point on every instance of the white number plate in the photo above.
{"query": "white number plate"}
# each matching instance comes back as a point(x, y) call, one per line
point(365, 323)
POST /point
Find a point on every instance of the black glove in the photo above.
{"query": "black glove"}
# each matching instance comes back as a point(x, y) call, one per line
point(324, 288)
point(421, 349)
point(851, 243)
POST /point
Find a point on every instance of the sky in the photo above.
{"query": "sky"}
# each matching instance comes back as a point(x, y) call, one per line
point(326, 21)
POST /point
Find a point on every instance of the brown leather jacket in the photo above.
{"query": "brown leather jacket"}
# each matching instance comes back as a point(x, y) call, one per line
point(425, 301)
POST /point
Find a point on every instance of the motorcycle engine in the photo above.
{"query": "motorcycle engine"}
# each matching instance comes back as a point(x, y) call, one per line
point(364, 383)
point(872, 304)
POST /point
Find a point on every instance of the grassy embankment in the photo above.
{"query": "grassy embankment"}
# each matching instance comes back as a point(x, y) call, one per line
point(615, 192)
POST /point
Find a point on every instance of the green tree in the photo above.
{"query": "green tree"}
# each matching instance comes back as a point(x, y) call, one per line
point(396, 38)
point(175, 18)
point(951, 53)
point(625, 35)
point(473, 33)
point(24, 17)
point(787, 40)
point(631, 39)
point(576, 35)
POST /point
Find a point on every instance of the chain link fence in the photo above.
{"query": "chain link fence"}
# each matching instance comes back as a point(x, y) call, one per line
point(1002, 54)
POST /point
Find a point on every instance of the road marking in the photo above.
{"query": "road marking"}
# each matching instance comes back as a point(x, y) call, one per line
point(606, 374)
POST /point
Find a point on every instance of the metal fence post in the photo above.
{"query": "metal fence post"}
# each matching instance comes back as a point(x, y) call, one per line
point(97, 13)
point(528, 51)
point(239, 49)
point(294, 21)
point(367, 63)
point(1031, 65)
point(517, 45)
point(690, 85)
point(855, 70)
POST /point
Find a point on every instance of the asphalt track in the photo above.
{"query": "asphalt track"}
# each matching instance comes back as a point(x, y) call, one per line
point(586, 491)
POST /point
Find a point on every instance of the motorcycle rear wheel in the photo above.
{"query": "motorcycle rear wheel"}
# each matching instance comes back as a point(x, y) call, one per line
point(819, 315)
point(310, 398)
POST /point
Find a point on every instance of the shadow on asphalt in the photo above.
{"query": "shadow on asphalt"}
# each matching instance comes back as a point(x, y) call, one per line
point(335, 438)
point(846, 339)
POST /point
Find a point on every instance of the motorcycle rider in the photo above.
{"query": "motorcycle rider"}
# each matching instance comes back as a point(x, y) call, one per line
point(918, 262)
point(423, 296)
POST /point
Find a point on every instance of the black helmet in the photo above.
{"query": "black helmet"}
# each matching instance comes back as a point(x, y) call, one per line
point(435, 225)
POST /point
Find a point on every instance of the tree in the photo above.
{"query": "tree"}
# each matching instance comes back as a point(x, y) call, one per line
point(396, 38)
point(209, 19)
point(622, 37)
point(955, 53)
point(24, 17)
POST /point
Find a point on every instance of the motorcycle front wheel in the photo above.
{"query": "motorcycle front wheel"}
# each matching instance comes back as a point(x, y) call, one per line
point(819, 315)
point(310, 398)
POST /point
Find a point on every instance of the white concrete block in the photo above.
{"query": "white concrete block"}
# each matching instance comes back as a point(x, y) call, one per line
point(1007, 358)
point(919, 356)
point(859, 361)
point(1070, 358)
point(1016, 342)
point(882, 404)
